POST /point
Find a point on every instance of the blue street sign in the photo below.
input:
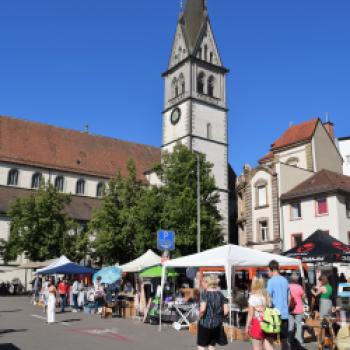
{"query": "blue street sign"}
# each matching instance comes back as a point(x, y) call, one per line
point(165, 240)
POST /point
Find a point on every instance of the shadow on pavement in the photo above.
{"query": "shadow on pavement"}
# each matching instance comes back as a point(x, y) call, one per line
point(5, 331)
point(71, 320)
point(16, 310)
point(8, 346)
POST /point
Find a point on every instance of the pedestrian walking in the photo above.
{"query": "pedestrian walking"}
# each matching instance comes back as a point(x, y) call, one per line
point(296, 309)
point(76, 288)
point(325, 291)
point(51, 304)
point(213, 308)
point(45, 293)
point(62, 290)
point(278, 289)
point(257, 303)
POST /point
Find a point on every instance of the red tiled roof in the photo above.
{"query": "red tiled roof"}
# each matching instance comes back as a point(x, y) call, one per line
point(266, 157)
point(46, 146)
point(324, 181)
point(296, 134)
point(80, 208)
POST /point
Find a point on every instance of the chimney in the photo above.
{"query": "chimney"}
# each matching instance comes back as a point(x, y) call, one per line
point(330, 129)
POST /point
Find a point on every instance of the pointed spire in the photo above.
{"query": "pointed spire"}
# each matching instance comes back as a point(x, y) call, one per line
point(194, 16)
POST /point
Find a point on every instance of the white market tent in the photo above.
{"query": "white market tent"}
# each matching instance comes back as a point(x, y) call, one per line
point(229, 257)
point(146, 260)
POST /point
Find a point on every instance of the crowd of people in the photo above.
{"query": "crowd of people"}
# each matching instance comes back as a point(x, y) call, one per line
point(283, 299)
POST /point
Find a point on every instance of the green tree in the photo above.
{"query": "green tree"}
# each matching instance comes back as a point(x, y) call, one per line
point(39, 227)
point(114, 225)
point(178, 172)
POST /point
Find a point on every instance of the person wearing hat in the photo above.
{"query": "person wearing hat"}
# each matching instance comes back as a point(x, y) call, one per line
point(296, 309)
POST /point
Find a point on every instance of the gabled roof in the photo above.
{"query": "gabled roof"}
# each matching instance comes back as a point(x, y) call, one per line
point(296, 134)
point(292, 136)
point(192, 21)
point(324, 181)
point(80, 208)
point(40, 145)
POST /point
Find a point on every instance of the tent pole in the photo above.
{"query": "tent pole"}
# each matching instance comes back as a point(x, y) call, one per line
point(161, 297)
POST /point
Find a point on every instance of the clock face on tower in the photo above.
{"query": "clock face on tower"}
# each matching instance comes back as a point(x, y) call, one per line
point(175, 116)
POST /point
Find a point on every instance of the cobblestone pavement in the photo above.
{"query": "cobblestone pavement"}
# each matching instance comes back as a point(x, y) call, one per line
point(23, 326)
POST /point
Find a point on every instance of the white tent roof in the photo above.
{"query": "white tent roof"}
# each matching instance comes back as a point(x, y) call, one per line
point(146, 260)
point(231, 255)
point(63, 260)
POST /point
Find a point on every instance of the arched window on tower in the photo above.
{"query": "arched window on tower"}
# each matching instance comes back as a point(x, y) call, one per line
point(211, 86)
point(80, 189)
point(199, 54)
point(174, 88)
point(211, 57)
point(36, 180)
point(12, 178)
point(182, 84)
point(209, 131)
point(59, 182)
point(200, 83)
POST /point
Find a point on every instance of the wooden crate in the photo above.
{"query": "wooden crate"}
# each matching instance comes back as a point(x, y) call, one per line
point(230, 332)
point(240, 334)
point(193, 328)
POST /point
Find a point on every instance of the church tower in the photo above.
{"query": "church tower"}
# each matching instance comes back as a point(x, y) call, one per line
point(195, 111)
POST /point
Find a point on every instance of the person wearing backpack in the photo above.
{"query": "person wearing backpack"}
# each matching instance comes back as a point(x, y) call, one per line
point(278, 289)
point(296, 308)
point(257, 303)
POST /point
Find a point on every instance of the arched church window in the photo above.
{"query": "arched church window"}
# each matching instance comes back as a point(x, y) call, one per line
point(80, 189)
point(211, 57)
point(182, 83)
point(100, 189)
point(209, 131)
point(174, 88)
point(200, 83)
point(59, 181)
point(211, 86)
point(36, 180)
point(12, 178)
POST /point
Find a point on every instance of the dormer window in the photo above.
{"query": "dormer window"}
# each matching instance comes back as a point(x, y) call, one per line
point(36, 180)
point(200, 83)
point(12, 178)
point(59, 182)
point(80, 188)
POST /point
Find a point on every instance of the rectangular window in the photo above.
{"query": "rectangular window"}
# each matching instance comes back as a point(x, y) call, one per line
point(262, 196)
point(347, 204)
point(264, 231)
point(297, 238)
point(322, 206)
point(295, 211)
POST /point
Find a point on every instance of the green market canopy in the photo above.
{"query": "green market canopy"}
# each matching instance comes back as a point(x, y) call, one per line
point(156, 272)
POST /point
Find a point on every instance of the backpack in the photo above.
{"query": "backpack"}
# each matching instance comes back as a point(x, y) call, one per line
point(271, 323)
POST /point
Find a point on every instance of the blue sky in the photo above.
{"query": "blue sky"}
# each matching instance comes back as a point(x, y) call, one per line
point(68, 62)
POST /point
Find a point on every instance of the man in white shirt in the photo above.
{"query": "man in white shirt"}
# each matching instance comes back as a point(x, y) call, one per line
point(75, 291)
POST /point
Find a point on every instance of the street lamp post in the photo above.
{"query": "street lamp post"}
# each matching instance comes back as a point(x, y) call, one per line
point(198, 204)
